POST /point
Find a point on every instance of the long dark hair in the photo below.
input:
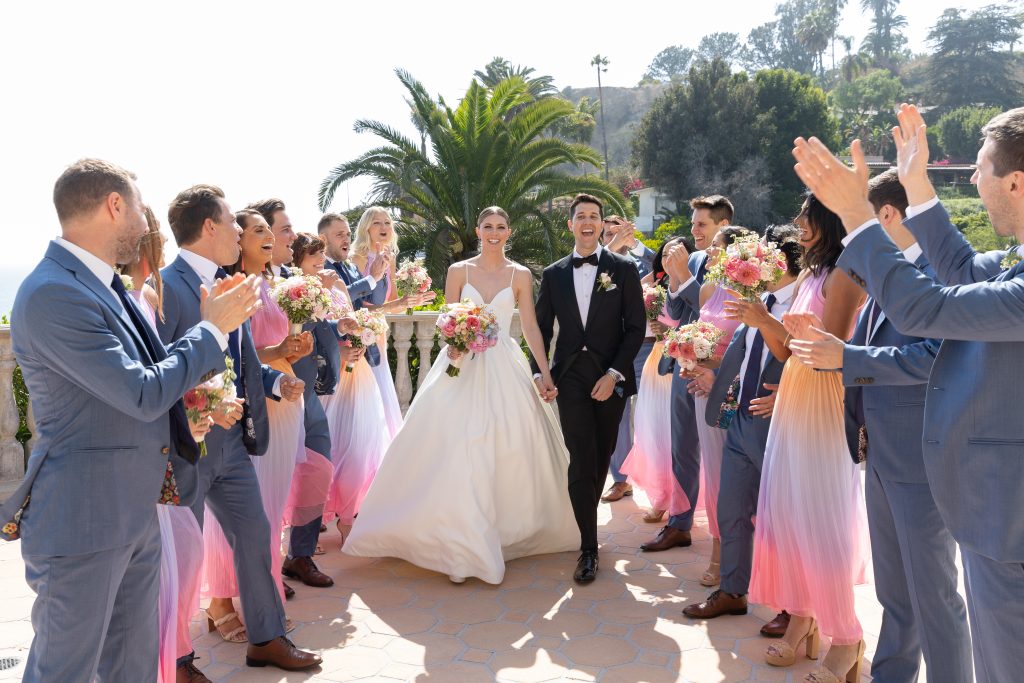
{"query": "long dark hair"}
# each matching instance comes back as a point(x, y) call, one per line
point(824, 255)
point(657, 269)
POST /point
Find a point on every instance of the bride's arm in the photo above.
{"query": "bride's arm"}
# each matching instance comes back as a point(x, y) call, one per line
point(453, 285)
point(528, 317)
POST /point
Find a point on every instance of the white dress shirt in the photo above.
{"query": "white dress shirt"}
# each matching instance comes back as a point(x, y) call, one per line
point(783, 300)
point(583, 280)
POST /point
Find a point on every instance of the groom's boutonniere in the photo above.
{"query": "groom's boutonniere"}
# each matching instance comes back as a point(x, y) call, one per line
point(604, 282)
point(1011, 259)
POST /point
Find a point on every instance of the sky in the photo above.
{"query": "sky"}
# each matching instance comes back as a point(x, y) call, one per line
point(260, 97)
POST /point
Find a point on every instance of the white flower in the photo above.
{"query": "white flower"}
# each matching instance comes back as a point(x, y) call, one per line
point(128, 283)
point(605, 282)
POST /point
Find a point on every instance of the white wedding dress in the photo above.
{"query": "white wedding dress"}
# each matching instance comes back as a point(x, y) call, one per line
point(477, 475)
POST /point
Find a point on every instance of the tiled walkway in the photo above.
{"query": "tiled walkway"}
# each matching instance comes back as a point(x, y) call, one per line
point(386, 620)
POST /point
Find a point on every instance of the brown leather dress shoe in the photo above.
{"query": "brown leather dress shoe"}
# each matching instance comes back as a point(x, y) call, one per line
point(617, 491)
point(188, 673)
point(306, 571)
point(289, 592)
point(283, 654)
point(776, 628)
point(717, 604)
point(667, 538)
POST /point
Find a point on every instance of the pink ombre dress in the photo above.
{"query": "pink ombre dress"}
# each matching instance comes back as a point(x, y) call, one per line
point(181, 561)
point(810, 544)
point(712, 439)
point(649, 462)
point(382, 371)
point(359, 436)
point(273, 469)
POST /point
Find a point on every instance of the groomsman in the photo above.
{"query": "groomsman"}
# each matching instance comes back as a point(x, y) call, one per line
point(205, 230)
point(620, 237)
point(972, 438)
point(886, 375)
point(686, 275)
point(336, 233)
point(107, 400)
point(754, 356)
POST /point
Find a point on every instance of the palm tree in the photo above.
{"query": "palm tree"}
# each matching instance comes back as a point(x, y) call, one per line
point(602, 65)
point(885, 37)
point(480, 154)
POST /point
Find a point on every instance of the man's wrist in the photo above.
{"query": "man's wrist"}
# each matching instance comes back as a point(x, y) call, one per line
point(919, 191)
point(615, 374)
point(855, 218)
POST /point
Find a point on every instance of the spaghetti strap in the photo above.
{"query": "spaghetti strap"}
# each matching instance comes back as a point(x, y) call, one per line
point(512, 279)
point(467, 272)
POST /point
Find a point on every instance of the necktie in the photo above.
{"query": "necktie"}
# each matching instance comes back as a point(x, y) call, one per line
point(701, 272)
point(752, 376)
point(235, 351)
point(181, 435)
point(578, 261)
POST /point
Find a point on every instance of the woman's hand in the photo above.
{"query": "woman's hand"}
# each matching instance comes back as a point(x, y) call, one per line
point(749, 313)
point(454, 354)
point(201, 428)
point(298, 346)
point(228, 413)
point(798, 325)
point(700, 384)
point(328, 278)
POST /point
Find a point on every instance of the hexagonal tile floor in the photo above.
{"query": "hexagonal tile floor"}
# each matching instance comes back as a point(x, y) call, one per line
point(386, 620)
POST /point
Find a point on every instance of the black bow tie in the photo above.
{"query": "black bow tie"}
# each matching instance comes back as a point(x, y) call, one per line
point(578, 261)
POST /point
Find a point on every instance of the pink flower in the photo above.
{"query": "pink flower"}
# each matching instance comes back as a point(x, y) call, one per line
point(473, 323)
point(743, 272)
point(296, 293)
point(195, 400)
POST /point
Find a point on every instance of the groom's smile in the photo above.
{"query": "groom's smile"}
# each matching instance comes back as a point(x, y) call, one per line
point(585, 225)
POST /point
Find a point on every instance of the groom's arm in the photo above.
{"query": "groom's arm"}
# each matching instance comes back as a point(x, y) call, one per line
point(634, 320)
point(545, 318)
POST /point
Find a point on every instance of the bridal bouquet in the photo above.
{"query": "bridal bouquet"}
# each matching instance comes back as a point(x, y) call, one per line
point(411, 278)
point(207, 397)
point(371, 327)
point(654, 303)
point(748, 267)
point(693, 343)
point(303, 298)
point(466, 326)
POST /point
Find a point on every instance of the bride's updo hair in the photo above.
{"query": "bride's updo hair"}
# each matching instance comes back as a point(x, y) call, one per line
point(492, 211)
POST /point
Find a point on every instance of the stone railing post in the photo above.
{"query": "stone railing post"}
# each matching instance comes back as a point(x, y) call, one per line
point(12, 454)
point(401, 335)
point(425, 327)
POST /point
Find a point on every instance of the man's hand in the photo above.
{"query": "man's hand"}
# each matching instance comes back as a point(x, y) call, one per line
point(228, 413)
point(328, 277)
point(912, 155)
point(292, 388)
point(819, 349)
point(842, 189)
point(379, 267)
point(351, 354)
point(749, 313)
point(765, 405)
point(676, 262)
point(230, 301)
point(603, 389)
point(546, 388)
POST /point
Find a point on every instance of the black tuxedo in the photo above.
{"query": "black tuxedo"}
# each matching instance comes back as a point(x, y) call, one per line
point(611, 339)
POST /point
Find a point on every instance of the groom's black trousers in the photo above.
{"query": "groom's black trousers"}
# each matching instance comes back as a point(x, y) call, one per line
point(590, 429)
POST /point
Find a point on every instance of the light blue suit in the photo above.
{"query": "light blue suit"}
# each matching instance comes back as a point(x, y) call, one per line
point(225, 479)
point(886, 373)
point(90, 538)
point(685, 445)
point(973, 443)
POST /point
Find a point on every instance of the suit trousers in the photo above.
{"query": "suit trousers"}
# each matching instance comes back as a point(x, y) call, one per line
point(303, 539)
point(742, 458)
point(995, 600)
point(225, 481)
point(95, 615)
point(685, 449)
point(590, 429)
point(624, 440)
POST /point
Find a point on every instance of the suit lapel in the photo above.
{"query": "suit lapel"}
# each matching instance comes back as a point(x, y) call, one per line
point(190, 276)
point(567, 284)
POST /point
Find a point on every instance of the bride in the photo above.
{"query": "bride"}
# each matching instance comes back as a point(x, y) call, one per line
point(477, 475)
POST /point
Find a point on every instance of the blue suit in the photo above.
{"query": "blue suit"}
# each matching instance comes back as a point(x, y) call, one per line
point(685, 445)
point(973, 446)
point(225, 479)
point(90, 538)
point(886, 374)
point(360, 292)
point(742, 459)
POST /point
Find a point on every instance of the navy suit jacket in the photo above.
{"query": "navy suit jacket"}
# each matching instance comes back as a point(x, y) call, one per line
point(101, 408)
point(890, 375)
point(973, 439)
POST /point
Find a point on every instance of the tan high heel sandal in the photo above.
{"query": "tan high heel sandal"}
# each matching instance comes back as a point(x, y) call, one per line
point(852, 676)
point(713, 576)
point(223, 627)
point(654, 516)
point(784, 654)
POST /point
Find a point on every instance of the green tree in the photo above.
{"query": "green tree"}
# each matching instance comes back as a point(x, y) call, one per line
point(968, 66)
point(885, 38)
point(724, 46)
point(775, 45)
point(500, 69)
point(959, 131)
point(490, 149)
point(866, 108)
point(670, 64)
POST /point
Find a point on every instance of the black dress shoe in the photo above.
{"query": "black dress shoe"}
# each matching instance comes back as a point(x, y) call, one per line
point(586, 567)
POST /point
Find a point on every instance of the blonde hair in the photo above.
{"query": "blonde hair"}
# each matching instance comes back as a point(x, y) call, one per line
point(361, 244)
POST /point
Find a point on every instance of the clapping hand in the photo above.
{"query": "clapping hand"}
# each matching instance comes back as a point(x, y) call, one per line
point(380, 265)
point(291, 388)
point(819, 349)
point(911, 140)
point(328, 277)
point(765, 405)
point(841, 188)
point(230, 301)
point(676, 262)
point(799, 325)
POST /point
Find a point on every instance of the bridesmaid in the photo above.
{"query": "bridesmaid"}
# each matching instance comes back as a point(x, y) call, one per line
point(181, 540)
point(810, 543)
point(649, 462)
point(712, 439)
point(274, 469)
point(355, 411)
point(376, 239)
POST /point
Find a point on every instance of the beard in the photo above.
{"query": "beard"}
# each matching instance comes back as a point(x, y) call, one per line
point(127, 247)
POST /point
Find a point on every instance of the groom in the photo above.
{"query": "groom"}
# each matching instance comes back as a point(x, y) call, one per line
point(595, 297)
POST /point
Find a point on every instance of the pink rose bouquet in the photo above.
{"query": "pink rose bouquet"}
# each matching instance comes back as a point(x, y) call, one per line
point(748, 267)
point(411, 278)
point(654, 303)
point(303, 298)
point(693, 343)
point(466, 326)
point(371, 327)
point(207, 397)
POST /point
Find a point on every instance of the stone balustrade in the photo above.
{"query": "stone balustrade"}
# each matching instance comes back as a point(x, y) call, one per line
point(404, 328)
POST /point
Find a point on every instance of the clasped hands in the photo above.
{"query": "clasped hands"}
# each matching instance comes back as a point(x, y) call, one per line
point(546, 387)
